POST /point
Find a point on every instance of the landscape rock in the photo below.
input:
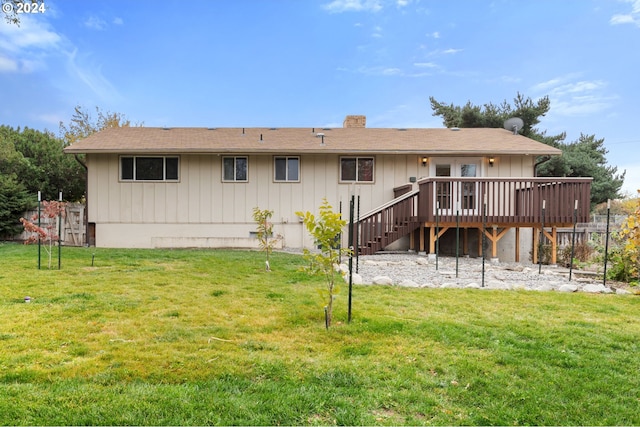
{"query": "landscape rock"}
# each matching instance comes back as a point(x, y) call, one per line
point(411, 269)
point(594, 288)
point(409, 283)
point(422, 261)
point(356, 279)
point(382, 280)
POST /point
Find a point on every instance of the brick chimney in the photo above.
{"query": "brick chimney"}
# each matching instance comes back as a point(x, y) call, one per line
point(354, 122)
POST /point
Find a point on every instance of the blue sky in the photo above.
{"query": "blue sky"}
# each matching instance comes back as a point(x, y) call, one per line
point(308, 63)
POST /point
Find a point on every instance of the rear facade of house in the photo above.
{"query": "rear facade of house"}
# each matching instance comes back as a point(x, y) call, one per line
point(197, 187)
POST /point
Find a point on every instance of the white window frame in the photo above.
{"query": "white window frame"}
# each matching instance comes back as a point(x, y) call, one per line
point(235, 169)
point(286, 159)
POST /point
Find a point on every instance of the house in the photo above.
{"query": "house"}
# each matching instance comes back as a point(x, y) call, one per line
point(197, 187)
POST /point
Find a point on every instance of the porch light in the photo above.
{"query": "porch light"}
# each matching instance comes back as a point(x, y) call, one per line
point(491, 161)
point(424, 161)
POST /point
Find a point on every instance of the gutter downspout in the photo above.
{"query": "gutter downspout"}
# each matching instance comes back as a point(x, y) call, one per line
point(86, 198)
point(544, 159)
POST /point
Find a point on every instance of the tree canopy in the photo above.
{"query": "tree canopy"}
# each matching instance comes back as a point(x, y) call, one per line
point(585, 157)
point(33, 161)
point(82, 124)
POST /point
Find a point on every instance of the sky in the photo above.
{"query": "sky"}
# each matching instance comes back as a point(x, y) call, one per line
point(309, 63)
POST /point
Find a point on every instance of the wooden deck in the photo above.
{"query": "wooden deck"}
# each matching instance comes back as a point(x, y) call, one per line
point(490, 205)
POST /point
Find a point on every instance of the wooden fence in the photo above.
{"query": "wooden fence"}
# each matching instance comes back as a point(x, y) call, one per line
point(73, 228)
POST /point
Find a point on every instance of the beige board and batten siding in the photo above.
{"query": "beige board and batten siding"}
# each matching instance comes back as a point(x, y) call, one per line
point(200, 210)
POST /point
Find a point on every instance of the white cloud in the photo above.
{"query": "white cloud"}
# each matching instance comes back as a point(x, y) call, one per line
point(572, 97)
point(8, 65)
point(451, 51)
point(24, 49)
point(633, 17)
point(30, 34)
point(95, 23)
point(543, 86)
point(339, 6)
point(91, 75)
point(622, 19)
point(118, 21)
point(425, 65)
point(578, 87)
point(391, 71)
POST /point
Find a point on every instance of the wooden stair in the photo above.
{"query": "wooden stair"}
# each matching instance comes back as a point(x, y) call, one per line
point(388, 223)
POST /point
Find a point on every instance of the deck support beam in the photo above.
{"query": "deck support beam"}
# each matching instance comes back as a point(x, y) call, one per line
point(517, 244)
point(494, 236)
point(433, 237)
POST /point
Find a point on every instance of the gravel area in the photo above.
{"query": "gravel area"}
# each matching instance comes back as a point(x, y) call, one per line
point(415, 270)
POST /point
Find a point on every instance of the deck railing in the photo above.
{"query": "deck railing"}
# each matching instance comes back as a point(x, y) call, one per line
point(472, 202)
point(506, 201)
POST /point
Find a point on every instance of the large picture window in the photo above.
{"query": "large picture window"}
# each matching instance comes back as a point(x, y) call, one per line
point(286, 169)
point(358, 169)
point(235, 169)
point(144, 168)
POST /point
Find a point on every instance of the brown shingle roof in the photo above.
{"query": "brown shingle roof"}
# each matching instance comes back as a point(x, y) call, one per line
point(465, 141)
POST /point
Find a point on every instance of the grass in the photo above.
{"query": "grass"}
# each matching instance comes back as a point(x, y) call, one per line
point(196, 337)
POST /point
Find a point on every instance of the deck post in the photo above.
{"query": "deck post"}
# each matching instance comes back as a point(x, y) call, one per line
point(517, 244)
point(536, 243)
point(465, 241)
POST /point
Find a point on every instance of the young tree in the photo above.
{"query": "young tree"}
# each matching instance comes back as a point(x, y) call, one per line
point(49, 221)
point(325, 230)
point(264, 232)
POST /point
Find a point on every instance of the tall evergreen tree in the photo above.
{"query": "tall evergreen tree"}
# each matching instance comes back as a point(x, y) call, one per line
point(585, 157)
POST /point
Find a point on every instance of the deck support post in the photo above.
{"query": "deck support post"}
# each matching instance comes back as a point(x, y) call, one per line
point(536, 244)
point(465, 241)
point(517, 244)
point(412, 241)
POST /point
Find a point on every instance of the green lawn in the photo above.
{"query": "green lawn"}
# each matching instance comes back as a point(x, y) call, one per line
point(194, 337)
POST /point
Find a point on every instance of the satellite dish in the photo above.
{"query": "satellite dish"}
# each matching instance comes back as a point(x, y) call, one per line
point(513, 124)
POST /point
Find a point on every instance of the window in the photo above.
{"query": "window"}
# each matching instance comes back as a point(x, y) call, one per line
point(286, 169)
point(138, 168)
point(235, 169)
point(359, 169)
